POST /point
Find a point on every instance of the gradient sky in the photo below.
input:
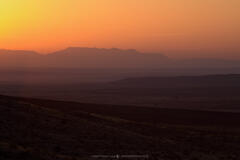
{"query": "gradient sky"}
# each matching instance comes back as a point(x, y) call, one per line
point(177, 28)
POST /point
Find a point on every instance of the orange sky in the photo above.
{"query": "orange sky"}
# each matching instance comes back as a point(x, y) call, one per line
point(177, 28)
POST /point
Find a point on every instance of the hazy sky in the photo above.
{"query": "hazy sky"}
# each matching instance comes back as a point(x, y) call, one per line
point(182, 28)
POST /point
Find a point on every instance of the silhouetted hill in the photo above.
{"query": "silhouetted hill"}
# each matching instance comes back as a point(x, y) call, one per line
point(18, 58)
point(229, 80)
point(77, 57)
point(207, 63)
point(6, 52)
point(106, 58)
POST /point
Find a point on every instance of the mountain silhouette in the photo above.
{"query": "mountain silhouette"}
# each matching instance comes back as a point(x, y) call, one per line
point(82, 57)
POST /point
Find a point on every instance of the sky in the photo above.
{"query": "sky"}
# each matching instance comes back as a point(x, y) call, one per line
point(176, 28)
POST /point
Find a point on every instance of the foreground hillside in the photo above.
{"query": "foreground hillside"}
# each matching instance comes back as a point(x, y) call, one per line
point(45, 129)
point(206, 92)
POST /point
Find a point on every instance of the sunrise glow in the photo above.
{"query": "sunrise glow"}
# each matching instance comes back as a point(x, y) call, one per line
point(181, 28)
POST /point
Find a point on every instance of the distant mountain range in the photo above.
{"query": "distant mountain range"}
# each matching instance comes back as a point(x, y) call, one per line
point(77, 57)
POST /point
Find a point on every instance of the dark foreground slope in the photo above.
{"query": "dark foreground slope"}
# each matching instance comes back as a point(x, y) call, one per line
point(45, 129)
point(206, 92)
